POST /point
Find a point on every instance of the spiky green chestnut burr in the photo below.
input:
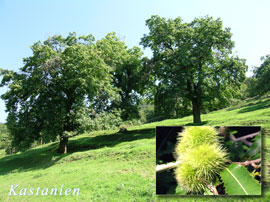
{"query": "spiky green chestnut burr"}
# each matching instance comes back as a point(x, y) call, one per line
point(202, 158)
point(188, 179)
point(195, 136)
point(200, 167)
point(208, 160)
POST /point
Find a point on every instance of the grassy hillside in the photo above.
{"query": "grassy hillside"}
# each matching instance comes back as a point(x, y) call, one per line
point(110, 166)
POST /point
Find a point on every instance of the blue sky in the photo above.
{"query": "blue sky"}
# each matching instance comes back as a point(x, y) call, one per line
point(24, 22)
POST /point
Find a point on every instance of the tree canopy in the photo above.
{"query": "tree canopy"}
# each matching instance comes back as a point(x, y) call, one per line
point(193, 63)
point(62, 76)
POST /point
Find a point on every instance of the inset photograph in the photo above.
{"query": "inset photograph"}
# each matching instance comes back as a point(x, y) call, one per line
point(207, 160)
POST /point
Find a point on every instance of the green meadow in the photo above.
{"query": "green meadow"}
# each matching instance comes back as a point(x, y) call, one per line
point(113, 166)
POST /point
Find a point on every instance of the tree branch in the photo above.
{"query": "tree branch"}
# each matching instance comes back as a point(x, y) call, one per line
point(247, 163)
point(168, 166)
point(244, 138)
point(247, 136)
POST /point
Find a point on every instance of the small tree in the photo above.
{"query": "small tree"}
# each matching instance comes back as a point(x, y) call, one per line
point(128, 74)
point(249, 87)
point(262, 76)
point(63, 76)
point(193, 62)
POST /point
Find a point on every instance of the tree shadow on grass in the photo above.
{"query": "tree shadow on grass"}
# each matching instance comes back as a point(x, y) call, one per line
point(100, 141)
point(254, 107)
point(46, 156)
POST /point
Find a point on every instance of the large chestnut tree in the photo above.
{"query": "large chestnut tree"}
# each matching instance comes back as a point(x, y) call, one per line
point(44, 97)
point(193, 63)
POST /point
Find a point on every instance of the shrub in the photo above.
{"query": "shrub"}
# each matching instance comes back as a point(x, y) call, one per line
point(91, 121)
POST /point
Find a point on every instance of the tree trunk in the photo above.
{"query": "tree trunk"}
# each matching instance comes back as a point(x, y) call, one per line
point(63, 145)
point(196, 110)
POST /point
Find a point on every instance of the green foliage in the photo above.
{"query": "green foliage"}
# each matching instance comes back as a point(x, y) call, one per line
point(62, 76)
point(238, 181)
point(169, 104)
point(91, 121)
point(240, 152)
point(148, 114)
point(262, 76)
point(237, 150)
point(249, 87)
point(88, 120)
point(128, 74)
point(189, 61)
point(254, 151)
point(201, 158)
point(5, 142)
point(258, 84)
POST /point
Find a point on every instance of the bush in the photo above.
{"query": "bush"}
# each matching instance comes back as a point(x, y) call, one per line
point(88, 120)
point(147, 114)
point(5, 140)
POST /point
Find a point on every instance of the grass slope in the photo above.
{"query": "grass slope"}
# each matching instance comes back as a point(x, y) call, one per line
point(110, 166)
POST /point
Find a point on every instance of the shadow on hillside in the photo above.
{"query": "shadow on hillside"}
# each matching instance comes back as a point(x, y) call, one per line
point(196, 124)
point(100, 141)
point(44, 157)
point(253, 107)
